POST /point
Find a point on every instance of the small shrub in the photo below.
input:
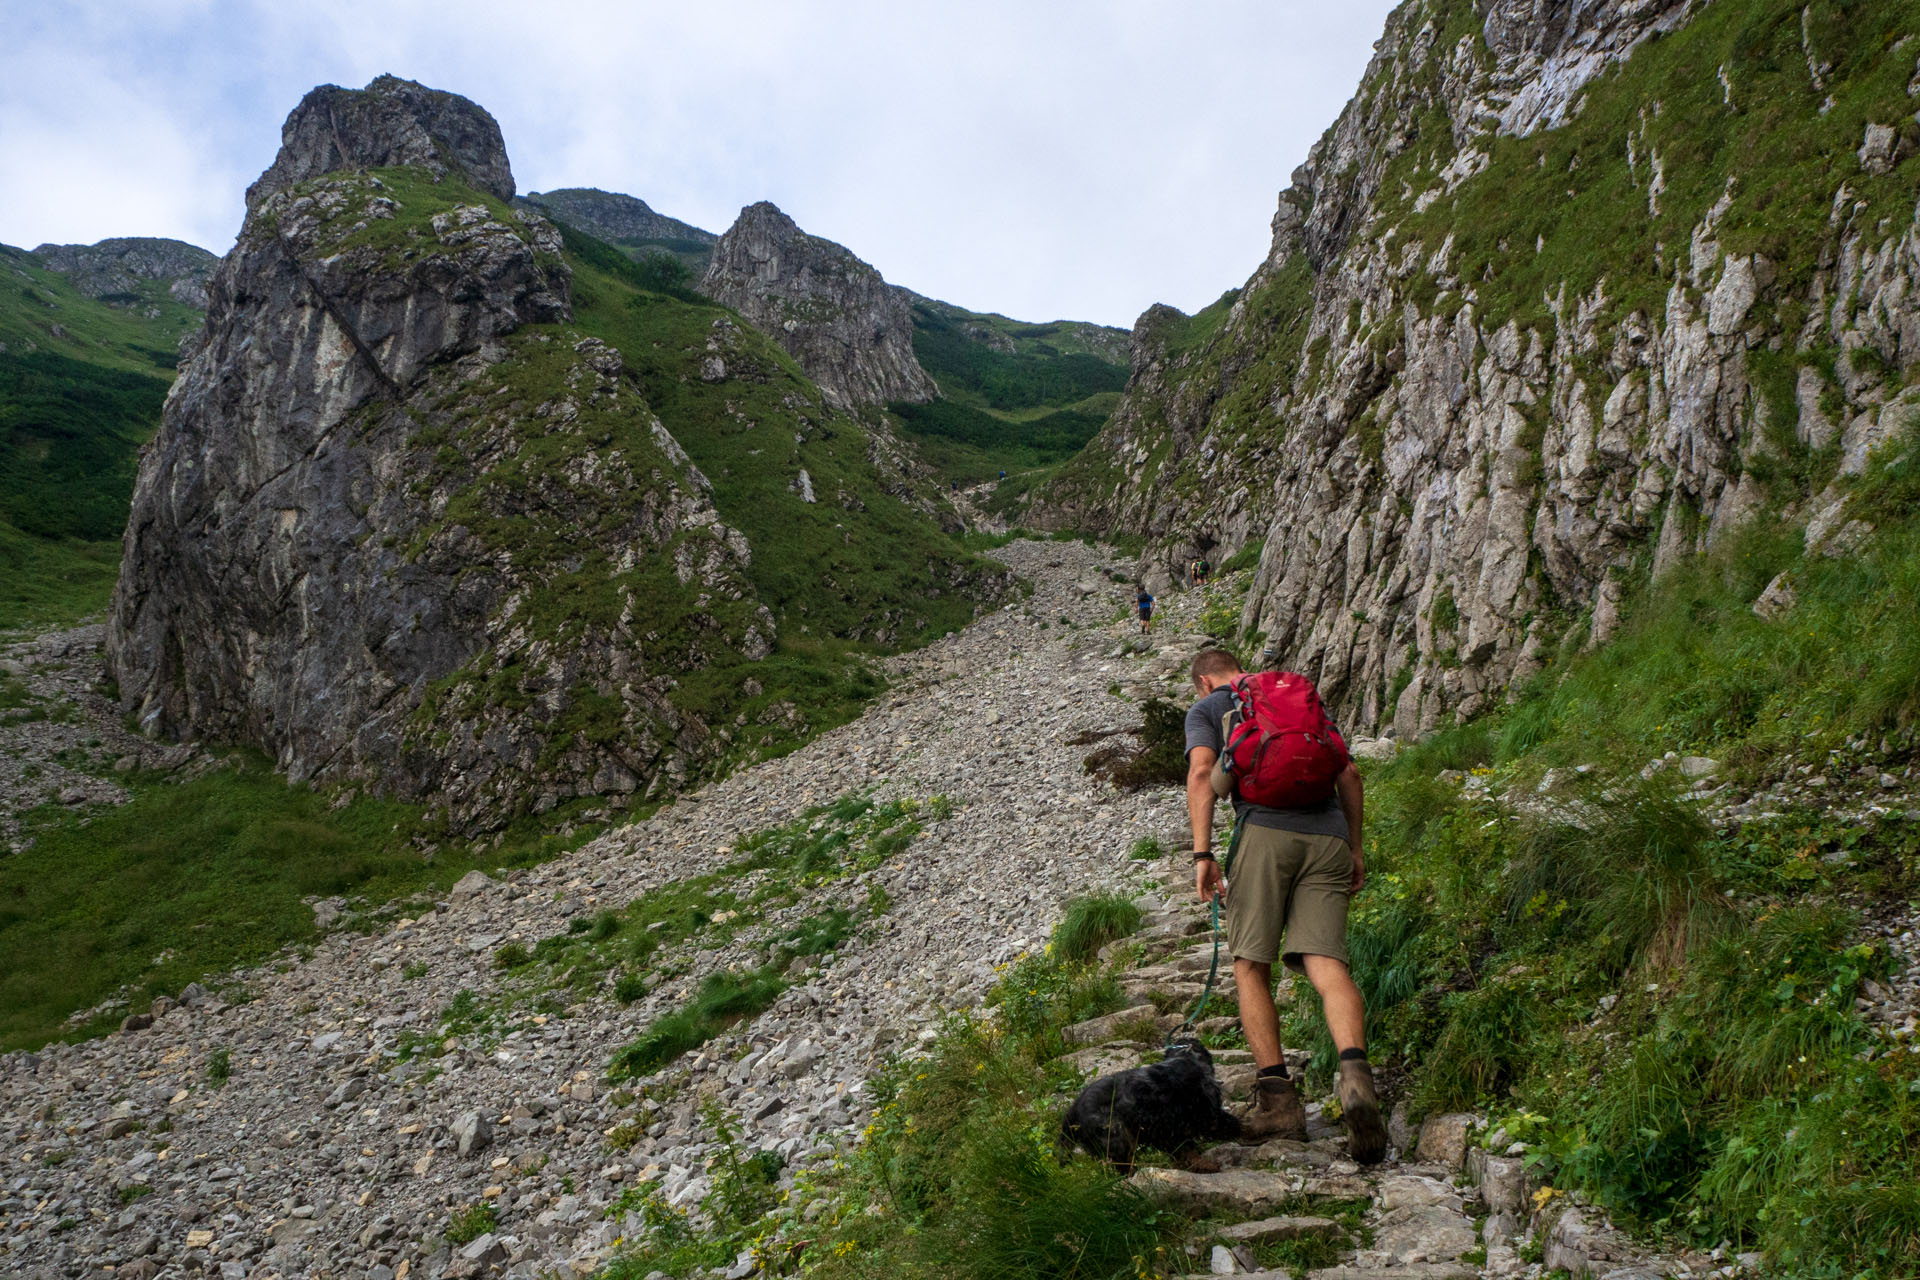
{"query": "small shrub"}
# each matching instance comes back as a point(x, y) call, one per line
point(472, 1222)
point(1158, 759)
point(1146, 849)
point(418, 969)
point(512, 956)
point(1247, 557)
point(219, 1066)
point(605, 925)
point(630, 987)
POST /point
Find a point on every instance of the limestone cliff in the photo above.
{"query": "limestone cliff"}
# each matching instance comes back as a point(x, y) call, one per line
point(850, 331)
point(111, 269)
point(401, 522)
point(1568, 292)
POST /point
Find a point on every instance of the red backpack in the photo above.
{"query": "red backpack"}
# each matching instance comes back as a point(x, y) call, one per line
point(1282, 751)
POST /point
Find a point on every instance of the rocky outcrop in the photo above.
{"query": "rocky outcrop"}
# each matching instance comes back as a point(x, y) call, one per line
point(112, 269)
point(400, 523)
point(391, 122)
point(1502, 359)
point(850, 331)
point(615, 218)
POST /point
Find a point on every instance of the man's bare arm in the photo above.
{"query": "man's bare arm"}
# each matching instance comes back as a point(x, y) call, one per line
point(1352, 792)
point(1200, 796)
point(1207, 880)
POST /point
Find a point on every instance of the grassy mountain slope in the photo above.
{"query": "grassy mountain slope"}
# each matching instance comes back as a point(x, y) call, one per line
point(863, 563)
point(1014, 396)
point(627, 224)
point(81, 383)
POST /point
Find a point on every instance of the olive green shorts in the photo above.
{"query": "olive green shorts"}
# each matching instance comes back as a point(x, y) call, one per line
point(1291, 888)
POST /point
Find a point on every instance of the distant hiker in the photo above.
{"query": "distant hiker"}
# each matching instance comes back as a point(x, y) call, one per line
point(1265, 740)
point(1003, 475)
point(1144, 603)
point(1200, 570)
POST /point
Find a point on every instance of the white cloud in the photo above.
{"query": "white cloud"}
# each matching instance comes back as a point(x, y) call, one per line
point(1062, 159)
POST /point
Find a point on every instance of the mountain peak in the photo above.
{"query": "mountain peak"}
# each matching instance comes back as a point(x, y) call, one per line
point(834, 313)
point(390, 122)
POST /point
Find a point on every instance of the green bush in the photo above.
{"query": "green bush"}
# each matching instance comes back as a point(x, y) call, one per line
point(1146, 849)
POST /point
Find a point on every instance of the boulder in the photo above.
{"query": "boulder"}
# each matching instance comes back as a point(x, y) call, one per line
point(472, 1132)
point(470, 885)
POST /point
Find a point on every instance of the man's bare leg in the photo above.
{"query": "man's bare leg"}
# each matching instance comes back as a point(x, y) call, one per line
point(1277, 1111)
point(1346, 1014)
point(1258, 1016)
point(1340, 1001)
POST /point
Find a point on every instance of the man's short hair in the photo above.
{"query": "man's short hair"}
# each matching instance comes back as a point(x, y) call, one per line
point(1214, 662)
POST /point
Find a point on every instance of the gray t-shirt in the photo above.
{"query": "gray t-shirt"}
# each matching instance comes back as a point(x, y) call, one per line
point(1206, 727)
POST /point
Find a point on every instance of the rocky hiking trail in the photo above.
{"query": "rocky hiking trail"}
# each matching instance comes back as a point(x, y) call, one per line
point(329, 1115)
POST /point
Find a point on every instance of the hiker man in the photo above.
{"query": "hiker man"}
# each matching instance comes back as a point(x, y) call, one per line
point(1144, 603)
point(1293, 872)
point(1200, 570)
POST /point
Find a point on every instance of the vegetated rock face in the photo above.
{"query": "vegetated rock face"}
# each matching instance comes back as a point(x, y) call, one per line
point(615, 218)
point(1504, 356)
point(389, 123)
point(115, 267)
point(400, 523)
point(850, 331)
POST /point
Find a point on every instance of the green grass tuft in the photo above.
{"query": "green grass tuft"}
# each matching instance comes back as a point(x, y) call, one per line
point(1091, 922)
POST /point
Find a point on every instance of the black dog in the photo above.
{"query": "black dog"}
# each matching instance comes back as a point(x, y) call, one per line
point(1171, 1105)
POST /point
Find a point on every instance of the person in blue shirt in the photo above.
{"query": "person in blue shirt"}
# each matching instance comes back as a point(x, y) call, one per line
point(1144, 602)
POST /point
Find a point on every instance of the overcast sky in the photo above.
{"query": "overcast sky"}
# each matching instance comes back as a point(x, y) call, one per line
point(1043, 158)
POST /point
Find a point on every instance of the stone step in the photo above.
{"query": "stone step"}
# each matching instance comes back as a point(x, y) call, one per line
point(1108, 1027)
point(1105, 1059)
point(1280, 1153)
point(1423, 1233)
point(1404, 1271)
point(1242, 1191)
point(1270, 1230)
point(1181, 994)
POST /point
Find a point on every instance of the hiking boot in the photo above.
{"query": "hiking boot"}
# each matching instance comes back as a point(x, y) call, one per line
point(1366, 1136)
point(1276, 1112)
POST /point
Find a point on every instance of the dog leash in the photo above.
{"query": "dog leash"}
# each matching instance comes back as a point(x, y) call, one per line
point(1213, 969)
